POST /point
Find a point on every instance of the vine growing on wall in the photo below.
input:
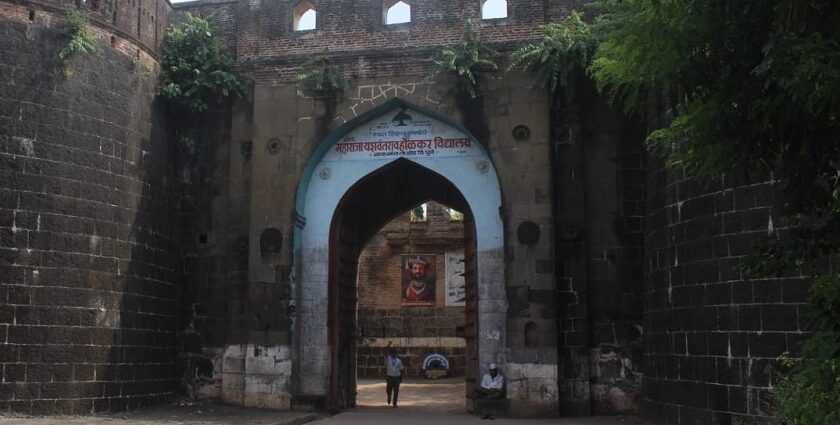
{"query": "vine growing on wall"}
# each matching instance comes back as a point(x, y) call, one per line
point(82, 39)
point(810, 395)
point(749, 87)
point(325, 81)
point(195, 71)
point(565, 48)
point(468, 60)
point(195, 74)
point(320, 76)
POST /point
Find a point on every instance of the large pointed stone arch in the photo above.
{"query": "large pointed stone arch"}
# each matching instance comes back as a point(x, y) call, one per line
point(355, 150)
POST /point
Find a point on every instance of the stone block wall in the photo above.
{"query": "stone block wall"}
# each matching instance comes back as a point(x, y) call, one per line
point(599, 209)
point(370, 360)
point(380, 266)
point(410, 322)
point(266, 47)
point(712, 337)
point(142, 22)
point(88, 301)
point(531, 283)
point(413, 330)
point(615, 181)
point(280, 127)
point(534, 385)
point(256, 376)
point(256, 165)
point(90, 250)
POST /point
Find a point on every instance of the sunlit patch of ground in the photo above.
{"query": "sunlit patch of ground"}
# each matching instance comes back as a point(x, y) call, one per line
point(440, 395)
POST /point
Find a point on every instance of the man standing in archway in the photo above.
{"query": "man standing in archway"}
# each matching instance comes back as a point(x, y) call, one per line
point(393, 376)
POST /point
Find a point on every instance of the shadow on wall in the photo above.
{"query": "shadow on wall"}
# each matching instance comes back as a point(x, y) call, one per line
point(87, 202)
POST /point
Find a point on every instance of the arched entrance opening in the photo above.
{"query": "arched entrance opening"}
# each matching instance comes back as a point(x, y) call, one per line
point(369, 205)
point(365, 173)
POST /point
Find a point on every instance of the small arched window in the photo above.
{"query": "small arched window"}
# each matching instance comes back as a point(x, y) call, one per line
point(493, 9)
point(397, 11)
point(304, 16)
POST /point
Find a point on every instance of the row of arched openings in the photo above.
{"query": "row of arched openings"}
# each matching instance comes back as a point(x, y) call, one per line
point(393, 12)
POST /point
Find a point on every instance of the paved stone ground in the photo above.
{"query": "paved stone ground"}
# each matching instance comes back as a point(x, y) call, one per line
point(421, 403)
point(438, 402)
point(443, 395)
point(409, 416)
point(175, 414)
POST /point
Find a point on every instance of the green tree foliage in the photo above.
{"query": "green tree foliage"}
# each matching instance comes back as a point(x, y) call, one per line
point(319, 75)
point(566, 47)
point(195, 72)
point(809, 396)
point(751, 85)
point(467, 60)
point(418, 213)
point(82, 39)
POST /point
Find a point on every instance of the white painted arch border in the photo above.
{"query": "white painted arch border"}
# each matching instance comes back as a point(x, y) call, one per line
point(317, 200)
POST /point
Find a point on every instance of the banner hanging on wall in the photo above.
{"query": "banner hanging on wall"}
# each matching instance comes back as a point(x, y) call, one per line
point(402, 134)
point(455, 291)
point(418, 280)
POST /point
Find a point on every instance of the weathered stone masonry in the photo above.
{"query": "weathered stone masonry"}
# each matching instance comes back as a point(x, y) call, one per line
point(413, 331)
point(88, 314)
point(268, 174)
point(711, 337)
point(131, 269)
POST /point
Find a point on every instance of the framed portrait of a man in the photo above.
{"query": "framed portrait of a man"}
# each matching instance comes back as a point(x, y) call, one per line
point(418, 280)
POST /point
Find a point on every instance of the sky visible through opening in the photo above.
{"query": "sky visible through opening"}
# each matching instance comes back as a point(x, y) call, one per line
point(398, 13)
point(307, 20)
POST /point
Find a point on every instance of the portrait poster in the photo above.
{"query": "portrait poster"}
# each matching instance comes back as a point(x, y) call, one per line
point(418, 280)
point(456, 293)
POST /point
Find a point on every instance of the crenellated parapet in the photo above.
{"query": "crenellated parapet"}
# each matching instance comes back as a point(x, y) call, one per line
point(268, 47)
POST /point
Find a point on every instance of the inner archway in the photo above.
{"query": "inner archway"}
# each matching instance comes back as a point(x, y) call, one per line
point(365, 173)
point(365, 209)
point(412, 294)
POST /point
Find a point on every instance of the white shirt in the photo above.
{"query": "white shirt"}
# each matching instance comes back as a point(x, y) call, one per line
point(492, 383)
point(394, 365)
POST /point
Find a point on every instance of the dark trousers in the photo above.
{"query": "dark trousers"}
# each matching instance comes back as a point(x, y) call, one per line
point(482, 393)
point(489, 394)
point(392, 388)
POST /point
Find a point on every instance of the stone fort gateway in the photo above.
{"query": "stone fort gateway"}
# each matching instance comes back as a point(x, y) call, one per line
point(265, 265)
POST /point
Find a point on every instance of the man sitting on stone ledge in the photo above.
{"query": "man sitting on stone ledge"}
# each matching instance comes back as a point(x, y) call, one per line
point(492, 388)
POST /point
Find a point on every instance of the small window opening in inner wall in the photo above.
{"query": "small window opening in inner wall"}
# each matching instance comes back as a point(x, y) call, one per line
point(304, 16)
point(397, 12)
point(418, 213)
point(493, 9)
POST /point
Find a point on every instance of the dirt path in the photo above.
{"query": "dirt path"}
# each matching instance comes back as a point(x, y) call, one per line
point(443, 395)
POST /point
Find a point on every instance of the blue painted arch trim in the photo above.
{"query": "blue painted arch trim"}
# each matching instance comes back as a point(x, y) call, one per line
point(325, 145)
